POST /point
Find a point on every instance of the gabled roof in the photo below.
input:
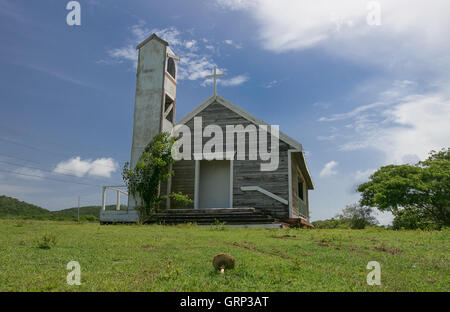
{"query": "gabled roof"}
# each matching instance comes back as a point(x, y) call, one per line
point(233, 107)
point(153, 36)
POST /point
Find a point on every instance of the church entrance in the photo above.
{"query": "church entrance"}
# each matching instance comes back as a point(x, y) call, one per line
point(214, 184)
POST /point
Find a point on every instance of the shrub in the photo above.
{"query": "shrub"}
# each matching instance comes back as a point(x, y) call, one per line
point(218, 226)
point(47, 241)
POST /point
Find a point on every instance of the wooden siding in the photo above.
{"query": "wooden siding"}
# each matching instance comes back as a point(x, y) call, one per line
point(296, 177)
point(245, 172)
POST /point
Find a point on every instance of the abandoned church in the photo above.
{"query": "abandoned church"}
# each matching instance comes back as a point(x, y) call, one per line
point(259, 179)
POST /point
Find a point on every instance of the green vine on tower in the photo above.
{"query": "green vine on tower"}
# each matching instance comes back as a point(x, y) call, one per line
point(152, 168)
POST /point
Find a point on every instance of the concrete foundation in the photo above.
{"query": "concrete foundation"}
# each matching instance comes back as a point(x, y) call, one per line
point(121, 216)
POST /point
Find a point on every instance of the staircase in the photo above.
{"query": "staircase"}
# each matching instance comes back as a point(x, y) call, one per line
point(211, 216)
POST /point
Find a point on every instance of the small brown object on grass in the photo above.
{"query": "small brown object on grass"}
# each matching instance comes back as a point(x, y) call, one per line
point(222, 262)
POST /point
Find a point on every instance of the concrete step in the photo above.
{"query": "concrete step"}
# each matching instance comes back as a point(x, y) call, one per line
point(211, 210)
point(119, 216)
point(242, 214)
point(260, 216)
point(211, 222)
point(211, 216)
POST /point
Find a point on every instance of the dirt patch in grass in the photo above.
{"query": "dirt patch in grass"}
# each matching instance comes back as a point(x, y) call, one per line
point(251, 248)
point(276, 253)
point(149, 247)
point(284, 236)
point(383, 248)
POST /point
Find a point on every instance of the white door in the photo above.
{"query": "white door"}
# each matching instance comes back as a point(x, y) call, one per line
point(214, 184)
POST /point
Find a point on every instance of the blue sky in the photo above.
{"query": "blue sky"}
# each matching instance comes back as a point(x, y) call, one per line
point(357, 96)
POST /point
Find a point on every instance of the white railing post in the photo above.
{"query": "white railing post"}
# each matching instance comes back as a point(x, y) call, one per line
point(118, 200)
point(104, 198)
point(118, 191)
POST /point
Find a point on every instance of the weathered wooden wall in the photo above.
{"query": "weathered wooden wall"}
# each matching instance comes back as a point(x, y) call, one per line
point(246, 172)
point(297, 176)
point(183, 179)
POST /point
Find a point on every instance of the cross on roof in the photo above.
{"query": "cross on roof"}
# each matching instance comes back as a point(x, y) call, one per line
point(214, 76)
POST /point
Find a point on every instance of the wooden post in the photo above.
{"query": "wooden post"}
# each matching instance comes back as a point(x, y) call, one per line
point(197, 184)
point(104, 198)
point(118, 200)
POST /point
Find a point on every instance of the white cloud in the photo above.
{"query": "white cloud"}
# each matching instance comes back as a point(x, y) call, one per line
point(237, 4)
point(194, 66)
point(363, 175)
point(404, 126)
point(233, 44)
point(299, 24)
point(328, 169)
point(101, 167)
point(127, 52)
point(170, 34)
point(191, 44)
point(412, 39)
point(231, 82)
point(234, 81)
point(271, 84)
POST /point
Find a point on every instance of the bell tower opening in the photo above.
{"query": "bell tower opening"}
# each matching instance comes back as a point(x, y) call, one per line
point(168, 108)
point(171, 68)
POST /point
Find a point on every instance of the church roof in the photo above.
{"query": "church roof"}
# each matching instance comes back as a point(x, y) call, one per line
point(298, 149)
point(153, 36)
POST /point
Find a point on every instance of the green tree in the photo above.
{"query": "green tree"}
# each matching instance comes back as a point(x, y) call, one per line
point(152, 168)
point(353, 216)
point(358, 217)
point(412, 191)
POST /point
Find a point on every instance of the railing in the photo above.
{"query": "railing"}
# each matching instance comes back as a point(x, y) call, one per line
point(301, 209)
point(118, 192)
point(265, 192)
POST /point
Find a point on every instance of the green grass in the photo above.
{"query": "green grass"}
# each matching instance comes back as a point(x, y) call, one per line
point(179, 258)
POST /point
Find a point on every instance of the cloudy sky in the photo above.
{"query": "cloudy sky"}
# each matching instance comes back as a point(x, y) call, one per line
point(358, 89)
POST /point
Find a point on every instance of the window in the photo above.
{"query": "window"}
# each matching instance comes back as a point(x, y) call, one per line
point(300, 190)
point(171, 67)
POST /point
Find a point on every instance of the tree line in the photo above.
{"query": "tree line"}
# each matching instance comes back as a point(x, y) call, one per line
point(417, 195)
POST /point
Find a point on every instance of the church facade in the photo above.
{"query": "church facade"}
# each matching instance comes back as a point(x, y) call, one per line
point(237, 183)
point(220, 176)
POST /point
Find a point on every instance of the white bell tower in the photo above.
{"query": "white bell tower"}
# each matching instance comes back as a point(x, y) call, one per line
point(155, 99)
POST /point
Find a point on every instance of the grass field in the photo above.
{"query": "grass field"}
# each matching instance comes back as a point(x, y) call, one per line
point(179, 258)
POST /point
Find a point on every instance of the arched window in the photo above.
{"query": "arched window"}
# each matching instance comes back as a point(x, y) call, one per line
point(171, 67)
